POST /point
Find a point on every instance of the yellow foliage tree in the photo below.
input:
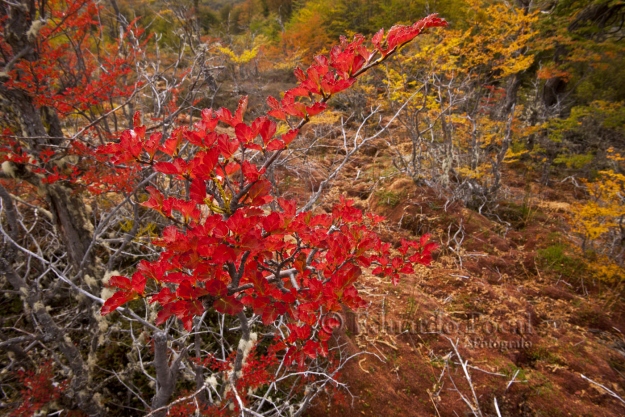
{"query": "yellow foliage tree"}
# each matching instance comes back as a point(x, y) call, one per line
point(462, 91)
point(600, 222)
point(243, 58)
point(306, 33)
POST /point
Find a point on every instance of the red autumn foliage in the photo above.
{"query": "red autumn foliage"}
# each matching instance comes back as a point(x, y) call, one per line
point(38, 390)
point(226, 251)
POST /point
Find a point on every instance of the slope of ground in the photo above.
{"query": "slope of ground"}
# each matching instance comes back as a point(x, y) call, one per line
point(504, 322)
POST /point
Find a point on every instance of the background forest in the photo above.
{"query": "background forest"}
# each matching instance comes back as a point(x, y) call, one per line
point(501, 136)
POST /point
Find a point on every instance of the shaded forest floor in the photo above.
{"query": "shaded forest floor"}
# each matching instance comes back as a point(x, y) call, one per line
point(507, 290)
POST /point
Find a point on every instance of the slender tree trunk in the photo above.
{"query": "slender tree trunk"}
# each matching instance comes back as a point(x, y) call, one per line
point(70, 214)
point(37, 129)
point(166, 375)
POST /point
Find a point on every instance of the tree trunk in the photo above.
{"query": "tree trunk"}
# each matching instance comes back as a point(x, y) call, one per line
point(70, 214)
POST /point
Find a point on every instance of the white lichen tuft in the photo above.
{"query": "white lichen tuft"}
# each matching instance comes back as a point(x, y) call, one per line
point(246, 345)
point(108, 275)
point(92, 361)
point(99, 399)
point(106, 293)
point(153, 312)
point(90, 281)
point(103, 326)
point(35, 27)
point(9, 169)
point(212, 381)
point(88, 226)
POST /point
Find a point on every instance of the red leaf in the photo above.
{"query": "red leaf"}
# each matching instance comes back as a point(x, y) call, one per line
point(138, 283)
point(241, 109)
point(164, 297)
point(167, 168)
point(276, 109)
point(288, 206)
point(188, 209)
point(153, 270)
point(170, 147)
point(311, 348)
point(197, 190)
point(299, 74)
point(189, 292)
point(295, 109)
point(299, 92)
point(130, 142)
point(216, 288)
point(151, 145)
point(278, 114)
point(164, 314)
point(267, 129)
point(342, 85)
point(223, 254)
point(155, 201)
point(348, 275)
point(209, 120)
point(258, 192)
point(377, 40)
point(227, 146)
point(272, 222)
point(244, 133)
point(228, 305)
point(273, 103)
point(298, 332)
point(316, 108)
point(136, 119)
point(204, 163)
point(194, 137)
point(117, 300)
point(275, 145)
point(250, 171)
point(269, 312)
point(224, 116)
point(120, 282)
point(289, 136)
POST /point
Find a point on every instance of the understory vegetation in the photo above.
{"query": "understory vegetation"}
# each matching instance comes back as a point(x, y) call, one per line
point(277, 207)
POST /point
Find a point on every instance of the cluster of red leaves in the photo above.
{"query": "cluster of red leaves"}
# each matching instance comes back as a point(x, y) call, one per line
point(68, 78)
point(399, 35)
point(75, 74)
point(38, 390)
point(225, 250)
